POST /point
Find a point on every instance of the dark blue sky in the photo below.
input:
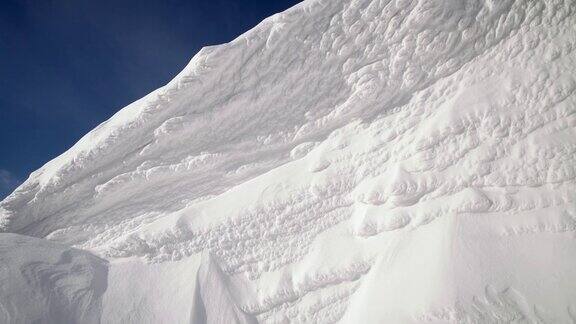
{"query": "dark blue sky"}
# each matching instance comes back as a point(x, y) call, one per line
point(66, 66)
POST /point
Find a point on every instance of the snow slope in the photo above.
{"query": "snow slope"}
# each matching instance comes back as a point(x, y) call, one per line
point(397, 161)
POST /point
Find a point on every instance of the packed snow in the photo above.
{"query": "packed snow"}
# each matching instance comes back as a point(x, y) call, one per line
point(353, 161)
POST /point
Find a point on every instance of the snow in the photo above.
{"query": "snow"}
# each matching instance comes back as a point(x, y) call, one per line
point(45, 282)
point(344, 161)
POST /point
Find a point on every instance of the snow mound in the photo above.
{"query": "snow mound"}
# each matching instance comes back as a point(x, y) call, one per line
point(397, 161)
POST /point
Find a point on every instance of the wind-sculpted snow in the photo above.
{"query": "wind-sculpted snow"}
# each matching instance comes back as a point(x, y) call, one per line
point(43, 282)
point(355, 161)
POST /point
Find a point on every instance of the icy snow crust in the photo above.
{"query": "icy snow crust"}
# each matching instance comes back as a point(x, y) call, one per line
point(356, 161)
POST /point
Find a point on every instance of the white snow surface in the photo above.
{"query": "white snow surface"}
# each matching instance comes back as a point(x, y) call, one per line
point(353, 161)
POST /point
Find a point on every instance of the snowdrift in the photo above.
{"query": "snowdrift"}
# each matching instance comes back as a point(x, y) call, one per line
point(384, 161)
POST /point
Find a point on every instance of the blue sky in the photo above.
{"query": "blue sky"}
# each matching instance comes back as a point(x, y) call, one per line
point(66, 66)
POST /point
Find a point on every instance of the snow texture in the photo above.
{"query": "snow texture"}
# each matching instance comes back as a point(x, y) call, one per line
point(383, 161)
